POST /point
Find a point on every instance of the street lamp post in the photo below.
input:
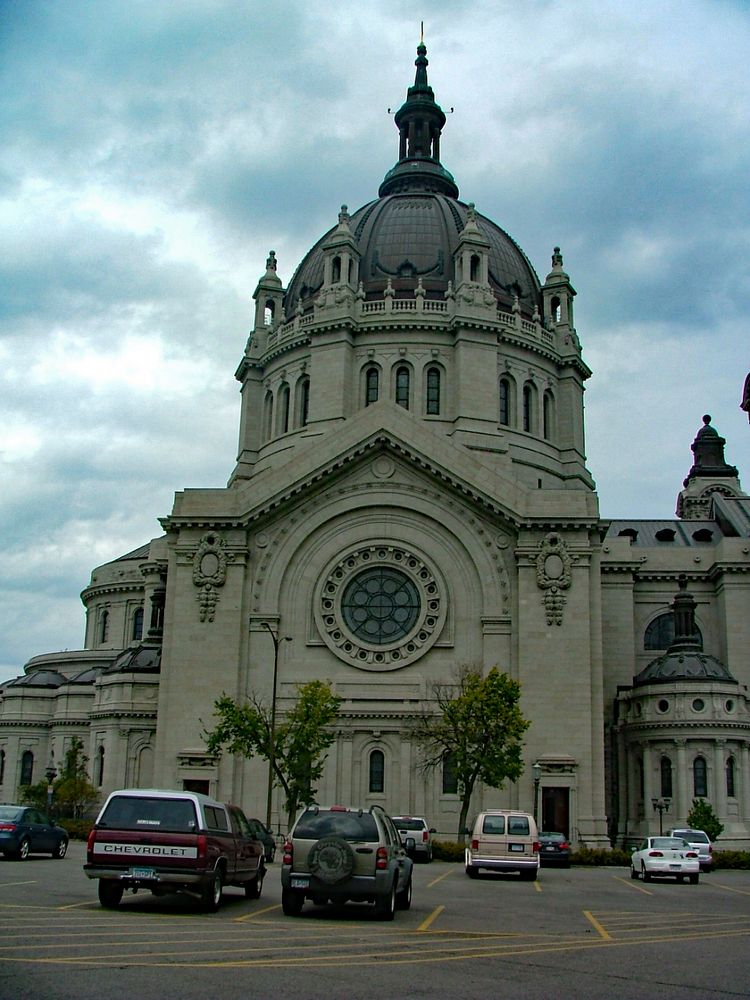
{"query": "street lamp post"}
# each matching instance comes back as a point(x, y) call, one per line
point(536, 770)
point(272, 734)
point(50, 774)
point(661, 805)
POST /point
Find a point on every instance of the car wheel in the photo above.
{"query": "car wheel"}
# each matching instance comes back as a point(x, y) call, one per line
point(680, 878)
point(23, 850)
point(403, 898)
point(528, 874)
point(270, 854)
point(211, 892)
point(291, 902)
point(254, 887)
point(646, 876)
point(694, 880)
point(385, 906)
point(110, 893)
point(331, 860)
point(472, 871)
point(633, 872)
point(61, 850)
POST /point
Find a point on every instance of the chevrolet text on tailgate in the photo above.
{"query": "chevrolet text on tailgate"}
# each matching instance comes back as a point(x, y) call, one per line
point(170, 841)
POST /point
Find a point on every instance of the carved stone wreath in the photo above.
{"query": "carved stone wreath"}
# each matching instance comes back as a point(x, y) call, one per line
point(553, 576)
point(209, 573)
point(380, 607)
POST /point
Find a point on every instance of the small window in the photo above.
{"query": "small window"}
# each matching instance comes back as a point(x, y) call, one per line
point(662, 705)
point(703, 535)
point(659, 633)
point(698, 704)
point(372, 379)
point(433, 391)
point(268, 312)
point(216, 818)
point(138, 624)
point(700, 778)
point(450, 777)
point(666, 778)
point(104, 626)
point(27, 767)
point(377, 771)
point(474, 271)
point(2, 766)
point(528, 407)
point(402, 386)
point(303, 390)
point(665, 535)
point(731, 793)
point(100, 766)
point(518, 825)
point(630, 533)
point(267, 416)
point(283, 414)
point(504, 401)
point(548, 415)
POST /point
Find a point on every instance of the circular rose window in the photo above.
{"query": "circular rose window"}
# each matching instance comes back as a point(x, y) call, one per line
point(380, 607)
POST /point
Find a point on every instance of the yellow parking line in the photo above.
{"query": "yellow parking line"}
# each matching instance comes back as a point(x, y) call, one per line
point(537, 885)
point(256, 913)
point(433, 916)
point(73, 906)
point(731, 888)
point(597, 926)
point(633, 884)
point(440, 878)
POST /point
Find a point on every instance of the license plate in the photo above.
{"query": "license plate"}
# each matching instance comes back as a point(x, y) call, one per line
point(299, 883)
point(143, 873)
point(516, 847)
point(549, 848)
point(676, 866)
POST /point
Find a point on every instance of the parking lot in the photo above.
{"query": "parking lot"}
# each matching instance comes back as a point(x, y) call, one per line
point(578, 932)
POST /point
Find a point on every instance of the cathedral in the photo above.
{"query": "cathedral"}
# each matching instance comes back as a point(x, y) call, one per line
point(410, 495)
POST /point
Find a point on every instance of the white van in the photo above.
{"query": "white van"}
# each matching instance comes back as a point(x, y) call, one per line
point(503, 840)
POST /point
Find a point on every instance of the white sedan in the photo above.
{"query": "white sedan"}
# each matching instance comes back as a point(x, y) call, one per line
point(665, 856)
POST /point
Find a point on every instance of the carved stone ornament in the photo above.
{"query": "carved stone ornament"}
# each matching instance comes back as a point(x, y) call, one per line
point(553, 576)
point(209, 573)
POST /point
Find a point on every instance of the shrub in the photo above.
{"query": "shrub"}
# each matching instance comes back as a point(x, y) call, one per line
point(447, 850)
point(78, 829)
point(732, 859)
point(598, 856)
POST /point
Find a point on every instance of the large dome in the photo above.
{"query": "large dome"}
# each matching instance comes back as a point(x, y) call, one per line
point(411, 231)
point(412, 236)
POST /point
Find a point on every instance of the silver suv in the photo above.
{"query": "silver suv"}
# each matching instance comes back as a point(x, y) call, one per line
point(699, 841)
point(337, 853)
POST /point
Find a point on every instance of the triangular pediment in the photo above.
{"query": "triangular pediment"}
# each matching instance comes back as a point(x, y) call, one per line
point(380, 429)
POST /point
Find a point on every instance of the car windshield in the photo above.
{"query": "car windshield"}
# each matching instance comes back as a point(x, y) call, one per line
point(348, 825)
point(695, 836)
point(132, 812)
point(409, 824)
point(9, 812)
point(669, 843)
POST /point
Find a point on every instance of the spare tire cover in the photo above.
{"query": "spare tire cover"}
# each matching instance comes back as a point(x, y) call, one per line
point(331, 859)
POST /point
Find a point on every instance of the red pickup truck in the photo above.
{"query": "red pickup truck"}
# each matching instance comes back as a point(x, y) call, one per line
point(172, 841)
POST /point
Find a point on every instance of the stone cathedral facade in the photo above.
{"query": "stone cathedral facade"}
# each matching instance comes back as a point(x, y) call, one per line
point(410, 495)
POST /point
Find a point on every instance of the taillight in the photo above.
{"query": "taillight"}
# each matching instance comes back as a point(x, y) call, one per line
point(288, 853)
point(7, 826)
point(475, 844)
point(381, 858)
point(202, 844)
point(691, 854)
point(90, 840)
point(536, 847)
point(655, 854)
point(425, 836)
point(565, 846)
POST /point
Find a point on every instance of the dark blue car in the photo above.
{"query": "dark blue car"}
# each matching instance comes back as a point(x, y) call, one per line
point(26, 830)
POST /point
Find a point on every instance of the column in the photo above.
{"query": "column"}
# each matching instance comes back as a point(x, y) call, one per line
point(682, 804)
point(720, 781)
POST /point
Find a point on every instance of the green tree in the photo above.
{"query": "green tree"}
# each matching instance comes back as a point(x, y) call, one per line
point(300, 739)
point(73, 793)
point(477, 725)
point(702, 817)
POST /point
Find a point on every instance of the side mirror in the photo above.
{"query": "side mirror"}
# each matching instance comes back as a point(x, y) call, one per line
point(409, 844)
point(433, 830)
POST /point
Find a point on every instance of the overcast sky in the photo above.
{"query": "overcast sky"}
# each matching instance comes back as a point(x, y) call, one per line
point(151, 153)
